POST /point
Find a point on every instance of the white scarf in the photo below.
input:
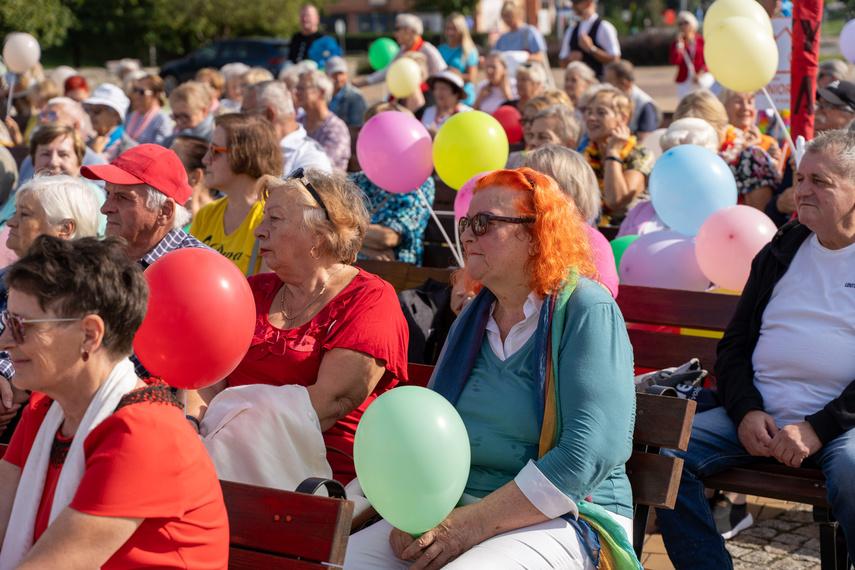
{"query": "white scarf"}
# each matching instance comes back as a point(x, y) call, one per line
point(19, 535)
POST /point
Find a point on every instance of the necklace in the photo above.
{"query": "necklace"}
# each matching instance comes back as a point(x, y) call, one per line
point(312, 300)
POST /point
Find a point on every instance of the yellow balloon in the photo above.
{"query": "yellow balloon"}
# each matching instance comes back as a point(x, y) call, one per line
point(403, 78)
point(723, 9)
point(741, 55)
point(467, 144)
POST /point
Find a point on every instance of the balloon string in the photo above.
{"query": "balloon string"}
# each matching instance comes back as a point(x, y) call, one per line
point(457, 257)
point(790, 142)
point(11, 93)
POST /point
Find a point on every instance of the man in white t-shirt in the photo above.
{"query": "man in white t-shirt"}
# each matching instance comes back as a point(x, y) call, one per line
point(786, 364)
point(592, 40)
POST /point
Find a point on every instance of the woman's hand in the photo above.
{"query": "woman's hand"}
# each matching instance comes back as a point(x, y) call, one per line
point(461, 530)
point(618, 139)
point(99, 144)
point(751, 136)
point(14, 131)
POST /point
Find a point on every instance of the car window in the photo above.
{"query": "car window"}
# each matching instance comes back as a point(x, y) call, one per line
point(235, 51)
point(206, 53)
point(256, 50)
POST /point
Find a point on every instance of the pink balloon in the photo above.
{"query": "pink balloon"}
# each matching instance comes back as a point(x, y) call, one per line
point(464, 196)
point(664, 259)
point(728, 241)
point(395, 151)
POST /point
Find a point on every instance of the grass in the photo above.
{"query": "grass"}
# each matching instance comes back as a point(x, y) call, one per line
point(832, 27)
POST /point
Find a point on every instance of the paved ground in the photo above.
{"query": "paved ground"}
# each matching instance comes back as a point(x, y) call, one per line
point(783, 536)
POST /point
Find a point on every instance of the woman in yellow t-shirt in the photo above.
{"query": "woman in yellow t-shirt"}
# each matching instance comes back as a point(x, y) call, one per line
point(243, 149)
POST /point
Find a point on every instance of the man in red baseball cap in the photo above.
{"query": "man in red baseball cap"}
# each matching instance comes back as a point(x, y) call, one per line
point(146, 191)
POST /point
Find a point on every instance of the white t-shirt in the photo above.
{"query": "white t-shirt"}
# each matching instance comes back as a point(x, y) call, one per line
point(805, 356)
point(300, 150)
point(606, 40)
point(496, 97)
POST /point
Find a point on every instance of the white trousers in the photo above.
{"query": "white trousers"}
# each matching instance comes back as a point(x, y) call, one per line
point(547, 545)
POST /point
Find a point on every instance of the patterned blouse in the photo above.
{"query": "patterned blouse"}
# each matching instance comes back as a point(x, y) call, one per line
point(334, 136)
point(405, 214)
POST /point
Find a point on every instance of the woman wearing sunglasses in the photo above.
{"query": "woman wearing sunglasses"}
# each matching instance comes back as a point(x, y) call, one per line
point(148, 123)
point(243, 149)
point(329, 338)
point(539, 367)
point(191, 111)
point(103, 470)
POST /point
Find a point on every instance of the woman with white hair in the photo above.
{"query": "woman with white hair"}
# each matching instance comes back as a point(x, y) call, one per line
point(531, 81)
point(232, 73)
point(498, 87)
point(687, 53)
point(314, 91)
point(577, 78)
point(408, 35)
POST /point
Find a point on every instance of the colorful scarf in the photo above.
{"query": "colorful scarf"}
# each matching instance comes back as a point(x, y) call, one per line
point(593, 154)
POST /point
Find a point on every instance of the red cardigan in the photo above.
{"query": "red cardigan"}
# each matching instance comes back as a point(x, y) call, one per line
point(678, 59)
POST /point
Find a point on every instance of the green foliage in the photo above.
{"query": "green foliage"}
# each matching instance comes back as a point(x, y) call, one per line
point(446, 7)
point(47, 20)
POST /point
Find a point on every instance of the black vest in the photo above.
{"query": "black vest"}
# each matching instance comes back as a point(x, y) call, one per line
point(587, 58)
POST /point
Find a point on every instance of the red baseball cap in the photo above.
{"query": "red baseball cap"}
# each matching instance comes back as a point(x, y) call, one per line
point(151, 164)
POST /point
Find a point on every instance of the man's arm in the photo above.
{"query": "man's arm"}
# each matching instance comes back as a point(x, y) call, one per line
point(836, 417)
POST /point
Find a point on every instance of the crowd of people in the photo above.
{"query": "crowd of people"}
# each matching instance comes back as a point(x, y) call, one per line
point(99, 184)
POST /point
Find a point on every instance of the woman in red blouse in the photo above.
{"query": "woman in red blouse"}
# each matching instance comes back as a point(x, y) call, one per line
point(687, 53)
point(103, 470)
point(320, 322)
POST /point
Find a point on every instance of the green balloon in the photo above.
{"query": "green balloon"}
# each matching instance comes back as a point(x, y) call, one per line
point(619, 246)
point(412, 457)
point(381, 52)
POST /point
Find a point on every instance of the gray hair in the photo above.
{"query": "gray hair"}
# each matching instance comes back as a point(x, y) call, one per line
point(836, 68)
point(292, 73)
point(690, 130)
point(155, 199)
point(411, 22)
point(574, 175)
point(839, 144)
point(687, 16)
point(64, 198)
point(535, 72)
point(74, 109)
point(276, 94)
point(585, 73)
point(234, 70)
point(567, 125)
point(321, 81)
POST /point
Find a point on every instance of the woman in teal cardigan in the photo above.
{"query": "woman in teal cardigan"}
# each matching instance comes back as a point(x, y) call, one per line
point(539, 367)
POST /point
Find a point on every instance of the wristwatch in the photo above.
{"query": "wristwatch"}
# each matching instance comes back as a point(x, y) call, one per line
point(593, 50)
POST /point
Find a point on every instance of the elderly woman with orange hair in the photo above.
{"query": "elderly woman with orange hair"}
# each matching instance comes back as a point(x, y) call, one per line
point(543, 333)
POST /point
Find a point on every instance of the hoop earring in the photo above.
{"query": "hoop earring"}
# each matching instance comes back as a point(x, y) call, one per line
point(85, 355)
point(312, 253)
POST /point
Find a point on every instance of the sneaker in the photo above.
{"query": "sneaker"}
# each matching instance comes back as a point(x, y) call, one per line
point(731, 519)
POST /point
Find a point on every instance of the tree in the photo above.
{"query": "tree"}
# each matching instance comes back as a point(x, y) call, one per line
point(447, 7)
point(47, 20)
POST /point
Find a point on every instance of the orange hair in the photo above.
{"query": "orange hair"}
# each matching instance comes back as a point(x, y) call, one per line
point(560, 240)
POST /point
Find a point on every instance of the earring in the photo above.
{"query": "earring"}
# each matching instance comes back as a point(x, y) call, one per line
point(85, 355)
point(312, 253)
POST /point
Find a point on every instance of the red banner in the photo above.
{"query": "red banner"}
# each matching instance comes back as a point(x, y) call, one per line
point(807, 18)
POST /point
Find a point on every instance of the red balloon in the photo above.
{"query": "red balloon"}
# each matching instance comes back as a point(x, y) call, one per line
point(200, 318)
point(509, 117)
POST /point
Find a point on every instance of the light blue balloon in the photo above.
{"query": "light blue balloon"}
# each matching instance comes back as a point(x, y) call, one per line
point(688, 183)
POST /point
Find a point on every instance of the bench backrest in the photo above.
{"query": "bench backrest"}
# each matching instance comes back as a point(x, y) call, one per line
point(674, 308)
point(403, 275)
point(270, 528)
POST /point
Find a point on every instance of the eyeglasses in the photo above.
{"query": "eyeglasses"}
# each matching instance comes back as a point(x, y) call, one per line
point(300, 176)
point(682, 23)
point(480, 221)
point(15, 324)
point(215, 149)
point(180, 117)
point(141, 91)
point(48, 115)
point(94, 109)
point(825, 105)
point(305, 87)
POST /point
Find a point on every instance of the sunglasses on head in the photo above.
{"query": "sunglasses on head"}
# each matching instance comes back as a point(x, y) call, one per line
point(300, 176)
point(15, 324)
point(480, 221)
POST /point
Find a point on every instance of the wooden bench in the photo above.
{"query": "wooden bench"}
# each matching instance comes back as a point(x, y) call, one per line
point(272, 529)
point(660, 423)
point(658, 349)
point(403, 275)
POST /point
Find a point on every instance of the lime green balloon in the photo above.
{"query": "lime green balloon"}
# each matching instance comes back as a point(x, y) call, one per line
point(468, 144)
point(619, 246)
point(723, 9)
point(381, 52)
point(412, 457)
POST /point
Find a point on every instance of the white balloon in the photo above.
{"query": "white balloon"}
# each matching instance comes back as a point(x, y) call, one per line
point(21, 51)
point(847, 41)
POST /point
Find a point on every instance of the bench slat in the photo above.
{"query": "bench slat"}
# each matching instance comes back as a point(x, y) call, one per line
point(286, 523)
point(663, 422)
point(676, 308)
point(662, 350)
point(241, 559)
point(655, 479)
point(783, 483)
